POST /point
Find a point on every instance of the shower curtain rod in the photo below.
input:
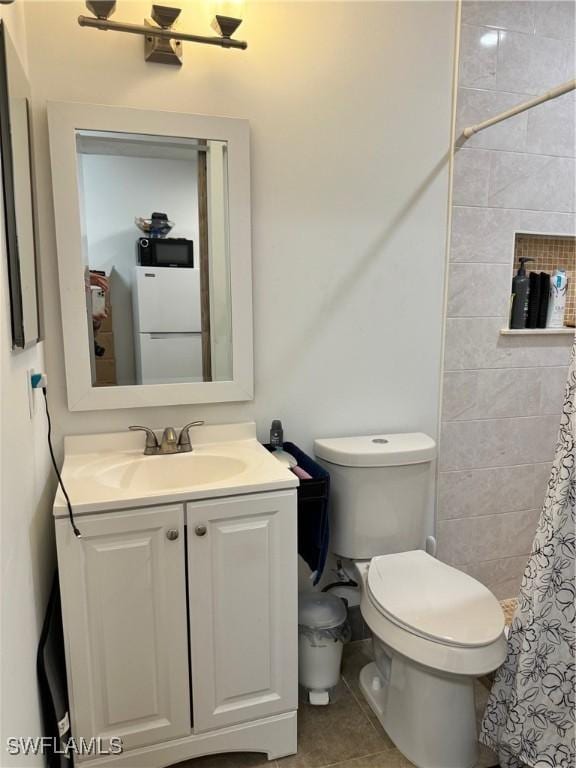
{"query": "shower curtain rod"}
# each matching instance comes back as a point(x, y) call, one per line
point(552, 94)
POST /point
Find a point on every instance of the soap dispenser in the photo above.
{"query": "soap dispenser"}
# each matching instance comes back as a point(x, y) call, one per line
point(519, 300)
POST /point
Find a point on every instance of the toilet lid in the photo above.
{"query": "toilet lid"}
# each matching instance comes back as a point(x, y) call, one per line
point(433, 600)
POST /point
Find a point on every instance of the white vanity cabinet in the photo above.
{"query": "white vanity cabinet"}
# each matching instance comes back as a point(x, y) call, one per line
point(180, 626)
point(123, 588)
point(243, 599)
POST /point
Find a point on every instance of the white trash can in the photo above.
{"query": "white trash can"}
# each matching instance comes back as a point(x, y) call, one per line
point(322, 631)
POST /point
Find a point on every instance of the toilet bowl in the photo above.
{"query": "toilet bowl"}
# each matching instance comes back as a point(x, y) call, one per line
point(435, 629)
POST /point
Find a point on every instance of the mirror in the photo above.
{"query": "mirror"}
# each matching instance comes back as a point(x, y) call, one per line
point(155, 254)
point(154, 217)
point(17, 193)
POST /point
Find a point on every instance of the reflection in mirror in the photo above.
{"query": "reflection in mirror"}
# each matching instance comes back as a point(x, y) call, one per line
point(154, 218)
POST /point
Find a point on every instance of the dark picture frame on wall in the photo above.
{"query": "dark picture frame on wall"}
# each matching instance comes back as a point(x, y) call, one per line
point(17, 195)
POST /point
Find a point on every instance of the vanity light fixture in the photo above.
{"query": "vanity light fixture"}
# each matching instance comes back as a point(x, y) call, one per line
point(162, 43)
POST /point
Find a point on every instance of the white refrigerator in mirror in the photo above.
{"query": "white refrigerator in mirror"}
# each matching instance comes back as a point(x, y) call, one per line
point(167, 325)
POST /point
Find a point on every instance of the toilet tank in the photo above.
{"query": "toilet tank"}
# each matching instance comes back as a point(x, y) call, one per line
point(380, 488)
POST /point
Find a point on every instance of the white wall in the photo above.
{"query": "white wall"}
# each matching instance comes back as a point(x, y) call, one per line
point(115, 191)
point(350, 107)
point(26, 541)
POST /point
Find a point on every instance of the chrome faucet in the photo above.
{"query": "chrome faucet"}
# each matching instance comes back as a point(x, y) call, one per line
point(169, 443)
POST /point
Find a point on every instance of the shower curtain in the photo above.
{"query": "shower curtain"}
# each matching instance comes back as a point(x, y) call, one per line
point(530, 715)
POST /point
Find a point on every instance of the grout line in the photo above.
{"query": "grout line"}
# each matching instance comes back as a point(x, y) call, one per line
point(485, 206)
point(501, 418)
point(514, 152)
point(493, 317)
point(356, 701)
point(505, 368)
point(528, 210)
point(366, 717)
point(484, 263)
point(507, 466)
point(491, 560)
point(489, 90)
point(354, 759)
point(492, 515)
point(483, 561)
point(531, 33)
point(491, 466)
point(506, 418)
point(522, 368)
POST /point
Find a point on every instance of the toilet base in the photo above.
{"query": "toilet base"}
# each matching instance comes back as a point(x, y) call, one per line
point(430, 718)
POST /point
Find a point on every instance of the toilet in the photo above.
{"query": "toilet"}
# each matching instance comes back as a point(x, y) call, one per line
point(434, 628)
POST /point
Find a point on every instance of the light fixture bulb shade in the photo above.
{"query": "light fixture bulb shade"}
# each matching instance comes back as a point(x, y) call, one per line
point(102, 9)
point(165, 15)
point(231, 9)
point(225, 25)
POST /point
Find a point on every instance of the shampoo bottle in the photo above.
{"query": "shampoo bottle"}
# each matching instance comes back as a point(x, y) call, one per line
point(557, 300)
point(519, 306)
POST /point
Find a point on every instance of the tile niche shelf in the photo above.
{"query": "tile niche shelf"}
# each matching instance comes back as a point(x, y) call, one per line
point(547, 252)
point(537, 331)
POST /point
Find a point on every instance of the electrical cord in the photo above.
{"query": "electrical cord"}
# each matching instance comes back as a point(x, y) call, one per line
point(55, 465)
point(348, 583)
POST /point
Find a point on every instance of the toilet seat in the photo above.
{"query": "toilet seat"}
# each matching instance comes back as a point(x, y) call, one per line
point(439, 655)
point(432, 600)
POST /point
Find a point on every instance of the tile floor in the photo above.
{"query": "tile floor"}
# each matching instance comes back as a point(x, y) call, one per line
point(345, 734)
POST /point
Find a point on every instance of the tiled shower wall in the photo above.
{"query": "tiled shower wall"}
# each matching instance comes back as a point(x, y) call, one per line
point(503, 394)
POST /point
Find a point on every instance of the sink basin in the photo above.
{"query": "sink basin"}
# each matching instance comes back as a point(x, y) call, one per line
point(157, 473)
point(108, 472)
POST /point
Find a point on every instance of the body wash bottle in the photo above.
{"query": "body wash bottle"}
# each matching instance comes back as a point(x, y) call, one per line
point(519, 306)
point(557, 300)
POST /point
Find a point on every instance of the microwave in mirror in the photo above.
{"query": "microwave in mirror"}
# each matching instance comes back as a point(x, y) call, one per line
point(165, 252)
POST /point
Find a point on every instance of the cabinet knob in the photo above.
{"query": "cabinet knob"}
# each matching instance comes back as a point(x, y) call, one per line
point(172, 534)
point(200, 530)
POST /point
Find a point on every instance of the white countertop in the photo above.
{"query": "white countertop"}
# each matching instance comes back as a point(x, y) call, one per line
point(106, 472)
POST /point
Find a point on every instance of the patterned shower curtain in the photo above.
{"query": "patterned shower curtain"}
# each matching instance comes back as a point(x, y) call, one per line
point(530, 715)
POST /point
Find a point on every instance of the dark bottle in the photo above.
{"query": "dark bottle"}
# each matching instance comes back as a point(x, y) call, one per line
point(276, 435)
point(520, 292)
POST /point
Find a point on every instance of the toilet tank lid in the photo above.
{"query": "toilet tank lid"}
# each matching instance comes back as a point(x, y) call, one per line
point(392, 450)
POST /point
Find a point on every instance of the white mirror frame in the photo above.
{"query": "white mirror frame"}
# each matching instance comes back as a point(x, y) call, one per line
point(64, 119)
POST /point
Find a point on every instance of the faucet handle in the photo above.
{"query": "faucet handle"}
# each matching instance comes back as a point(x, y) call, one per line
point(151, 439)
point(184, 439)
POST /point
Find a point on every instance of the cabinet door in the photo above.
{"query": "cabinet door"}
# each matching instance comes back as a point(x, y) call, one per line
point(242, 565)
point(125, 625)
